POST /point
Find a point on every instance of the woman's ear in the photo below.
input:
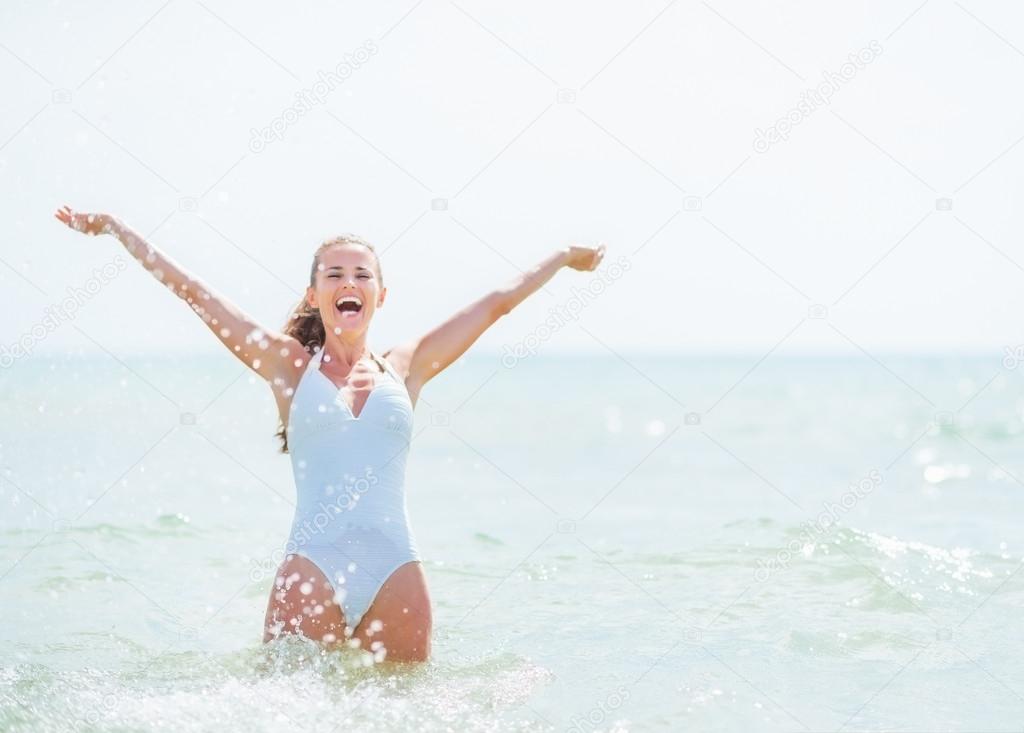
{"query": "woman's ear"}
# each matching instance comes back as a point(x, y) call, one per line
point(380, 298)
point(311, 297)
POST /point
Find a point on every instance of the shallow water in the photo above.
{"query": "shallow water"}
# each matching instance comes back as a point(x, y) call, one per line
point(676, 546)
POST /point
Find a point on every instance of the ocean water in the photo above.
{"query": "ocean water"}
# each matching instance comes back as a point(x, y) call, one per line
point(658, 543)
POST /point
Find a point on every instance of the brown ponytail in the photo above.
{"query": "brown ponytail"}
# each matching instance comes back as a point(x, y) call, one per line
point(305, 323)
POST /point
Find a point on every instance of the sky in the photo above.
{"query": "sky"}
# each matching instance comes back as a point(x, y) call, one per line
point(799, 177)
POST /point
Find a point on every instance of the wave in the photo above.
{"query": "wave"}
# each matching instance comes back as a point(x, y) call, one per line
point(163, 526)
point(291, 683)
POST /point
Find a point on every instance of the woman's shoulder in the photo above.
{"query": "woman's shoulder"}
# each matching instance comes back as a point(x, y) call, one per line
point(398, 358)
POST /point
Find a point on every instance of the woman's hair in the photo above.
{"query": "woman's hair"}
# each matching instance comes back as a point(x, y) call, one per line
point(305, 323)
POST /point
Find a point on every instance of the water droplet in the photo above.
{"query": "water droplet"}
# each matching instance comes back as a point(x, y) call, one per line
point(655, 428)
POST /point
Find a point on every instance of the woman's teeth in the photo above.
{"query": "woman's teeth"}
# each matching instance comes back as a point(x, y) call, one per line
point(349, 306)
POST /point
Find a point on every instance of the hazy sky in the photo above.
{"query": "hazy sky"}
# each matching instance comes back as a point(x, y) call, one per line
point(468, 140)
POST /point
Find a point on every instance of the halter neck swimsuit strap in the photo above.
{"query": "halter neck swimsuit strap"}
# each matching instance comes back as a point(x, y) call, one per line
point(390, 368)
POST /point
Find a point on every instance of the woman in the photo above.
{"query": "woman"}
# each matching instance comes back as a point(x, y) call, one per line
point(352, 573)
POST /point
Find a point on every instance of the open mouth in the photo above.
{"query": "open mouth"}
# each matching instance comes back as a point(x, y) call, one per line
point(349, 306)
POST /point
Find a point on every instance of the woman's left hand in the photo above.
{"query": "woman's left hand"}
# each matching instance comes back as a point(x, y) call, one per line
point(92, 224)
point(585, 258)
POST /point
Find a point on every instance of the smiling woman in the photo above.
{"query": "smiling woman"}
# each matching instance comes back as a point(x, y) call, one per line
point(352, 573)
point(306, 324)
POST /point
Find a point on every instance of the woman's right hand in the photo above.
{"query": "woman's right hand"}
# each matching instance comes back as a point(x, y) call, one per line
point(86, 223)
point(585, 258)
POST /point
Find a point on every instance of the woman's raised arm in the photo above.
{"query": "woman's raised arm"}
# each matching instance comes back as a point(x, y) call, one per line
point(426, 357)
point(268, 352)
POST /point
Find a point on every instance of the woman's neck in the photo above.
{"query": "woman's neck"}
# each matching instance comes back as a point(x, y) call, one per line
point(343, 354)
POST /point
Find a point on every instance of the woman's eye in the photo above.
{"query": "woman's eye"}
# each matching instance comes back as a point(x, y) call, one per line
point(364, 276)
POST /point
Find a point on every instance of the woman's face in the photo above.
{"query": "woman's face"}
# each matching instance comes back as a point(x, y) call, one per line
point(347, 289)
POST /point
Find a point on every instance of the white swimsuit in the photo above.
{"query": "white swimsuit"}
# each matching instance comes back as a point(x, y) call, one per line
point(350, 513)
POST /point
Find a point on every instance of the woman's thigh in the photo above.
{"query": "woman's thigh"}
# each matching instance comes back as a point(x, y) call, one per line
point(302, 601)
point(399, 620)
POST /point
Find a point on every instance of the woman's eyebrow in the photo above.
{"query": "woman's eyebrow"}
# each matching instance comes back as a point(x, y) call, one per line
point(340, 267)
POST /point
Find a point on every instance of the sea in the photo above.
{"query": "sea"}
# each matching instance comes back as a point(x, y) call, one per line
point(612, 542)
